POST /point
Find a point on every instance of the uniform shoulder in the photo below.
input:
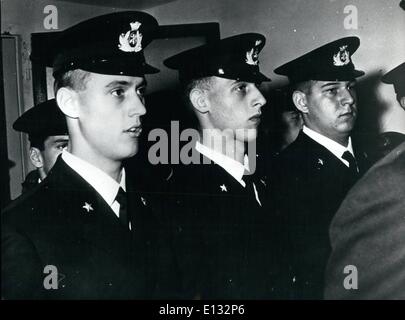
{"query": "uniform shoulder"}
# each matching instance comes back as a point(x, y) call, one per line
point(367, 232)
point(22, 208)
point(389, 169)
point(299, 147)
point(187, 177)
point(293, 157)
point(378, 191)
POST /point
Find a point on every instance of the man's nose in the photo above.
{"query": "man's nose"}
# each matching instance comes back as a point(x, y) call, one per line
point(348, 97)
point(259, 100)
point(137, 106)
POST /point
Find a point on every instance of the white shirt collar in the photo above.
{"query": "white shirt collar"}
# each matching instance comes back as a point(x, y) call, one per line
point(233, 167)
point(106, 186)
point(336, 148)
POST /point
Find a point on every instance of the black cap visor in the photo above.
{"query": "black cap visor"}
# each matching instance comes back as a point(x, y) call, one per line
point(109, 66)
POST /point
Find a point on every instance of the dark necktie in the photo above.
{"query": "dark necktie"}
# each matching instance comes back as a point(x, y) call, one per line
point(121, 198)
point(252, 187)
point(352, 162)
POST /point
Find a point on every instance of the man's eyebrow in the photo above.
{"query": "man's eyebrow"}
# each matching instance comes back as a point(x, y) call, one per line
point(237, 81)
point(330, 84)
point(118, 83)
point(125, 83)
point(61, 140)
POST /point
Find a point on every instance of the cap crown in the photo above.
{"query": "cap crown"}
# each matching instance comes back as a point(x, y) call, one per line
point(330, 62)
point(235, 57)
point(107, 44)
point(44, 119)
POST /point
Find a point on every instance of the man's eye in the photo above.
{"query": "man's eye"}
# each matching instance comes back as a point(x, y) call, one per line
point(331, 91)
point(141, 91)
point(241, 87)
point(62, 146)
point(117, 92)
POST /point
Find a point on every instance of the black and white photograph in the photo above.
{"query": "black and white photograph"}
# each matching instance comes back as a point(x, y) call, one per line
point(202, 154)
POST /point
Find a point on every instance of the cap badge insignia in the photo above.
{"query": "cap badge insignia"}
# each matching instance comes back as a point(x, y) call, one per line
point(131, 41)
point(341, 58)
point(252, 56)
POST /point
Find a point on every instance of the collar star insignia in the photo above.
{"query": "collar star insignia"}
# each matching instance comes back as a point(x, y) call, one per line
point(143, 201)
point(320, 161)
point(88, 207)
point(223, 188)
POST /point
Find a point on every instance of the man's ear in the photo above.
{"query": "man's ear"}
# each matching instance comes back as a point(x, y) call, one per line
point(402, 102)
point(36, 157)
point(67, 100)
point(199, 100)
point(300, 101)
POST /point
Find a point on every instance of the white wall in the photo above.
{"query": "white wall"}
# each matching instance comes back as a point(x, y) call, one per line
point(293, 27)
point(23, 17)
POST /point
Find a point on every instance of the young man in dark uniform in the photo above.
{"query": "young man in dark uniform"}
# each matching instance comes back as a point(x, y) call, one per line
point(313, 174)
point(222, 231)
point(47, 132)
point(86, 232)
point(387, 141)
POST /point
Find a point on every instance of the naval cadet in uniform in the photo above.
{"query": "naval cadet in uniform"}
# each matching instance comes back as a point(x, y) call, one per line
point(47, 132)
point(387, 141)
point(86, 232)
point(221, 227)
point(311, 177)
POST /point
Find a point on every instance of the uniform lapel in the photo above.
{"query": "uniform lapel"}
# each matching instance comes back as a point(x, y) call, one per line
point(221, 181)
point(320, 156)
point(86, 212)
point(226, 186)
point(362, 158)
point(137, 205)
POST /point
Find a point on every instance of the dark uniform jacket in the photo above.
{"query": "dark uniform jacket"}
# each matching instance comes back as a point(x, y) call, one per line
point(31, 181)
point(307, 184)
point(222, 235)
point(384, 143)
point(368, 233)
point(65, 223)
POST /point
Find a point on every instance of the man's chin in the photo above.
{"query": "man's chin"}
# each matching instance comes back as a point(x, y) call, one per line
point(128, 153)
point(347, 126)
point(347, 130)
